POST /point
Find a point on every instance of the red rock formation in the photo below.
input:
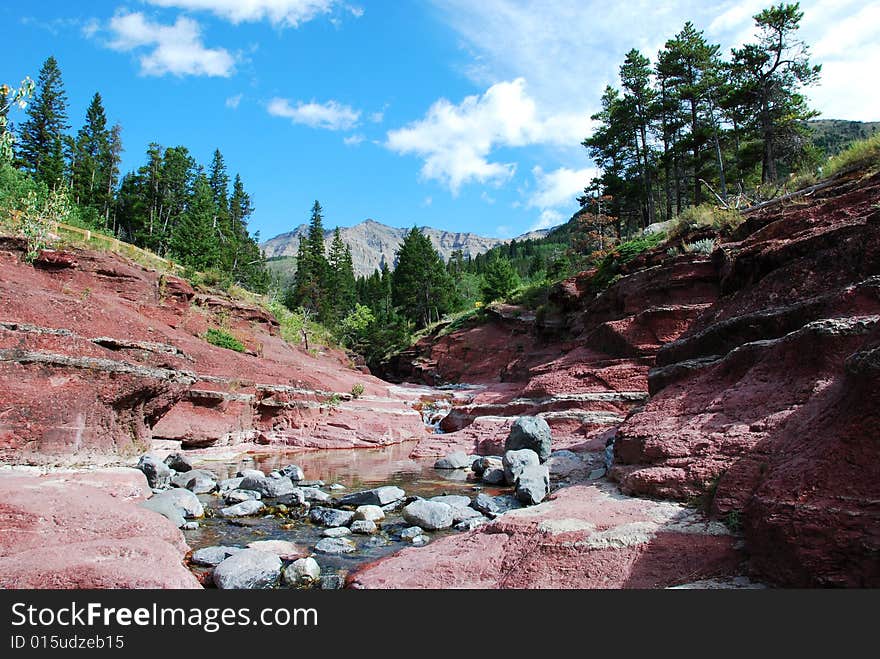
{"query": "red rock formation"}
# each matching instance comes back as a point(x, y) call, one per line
point(99, 355)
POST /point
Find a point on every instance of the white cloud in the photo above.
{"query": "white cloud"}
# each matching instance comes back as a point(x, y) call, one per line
point(285, 13)
point(455, 141)
point(234, 101)
point(548, 218)
point(560, 187)
point(329, 116)
point(377, 117)
point(569, 50)
point(354, 140)
point(176, 49)
point(427, 202)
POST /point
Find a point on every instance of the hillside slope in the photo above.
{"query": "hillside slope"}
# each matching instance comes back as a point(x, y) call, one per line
point(745, 383)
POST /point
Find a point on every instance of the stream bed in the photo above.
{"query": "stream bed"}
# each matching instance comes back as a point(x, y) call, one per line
point(355, 470)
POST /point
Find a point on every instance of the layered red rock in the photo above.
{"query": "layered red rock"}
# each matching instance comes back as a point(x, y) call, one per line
point(85, 530)
point(99, 355)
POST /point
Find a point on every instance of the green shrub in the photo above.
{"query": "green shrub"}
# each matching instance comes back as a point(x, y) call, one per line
point(357, 391)
point(864, 153)
point(223, 339)
point(705, 246)
point(722, 220)
point(609, 268)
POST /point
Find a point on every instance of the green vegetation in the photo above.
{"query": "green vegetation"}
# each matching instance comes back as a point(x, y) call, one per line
point(357, 391)
point(722, 220)
point(705, 246)
point(864, 153)
point(223, 339)
point(171, 206)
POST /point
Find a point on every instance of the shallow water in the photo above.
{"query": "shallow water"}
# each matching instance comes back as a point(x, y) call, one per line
point(356, 469)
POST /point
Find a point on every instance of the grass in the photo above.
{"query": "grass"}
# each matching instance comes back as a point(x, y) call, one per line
point(864, 153)
point(293, 323)
point(223, 339)
point(609, 268)
point(722, 220)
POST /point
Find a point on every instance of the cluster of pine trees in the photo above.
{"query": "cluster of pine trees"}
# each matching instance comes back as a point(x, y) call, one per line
point(171, 205)
point(695, 127)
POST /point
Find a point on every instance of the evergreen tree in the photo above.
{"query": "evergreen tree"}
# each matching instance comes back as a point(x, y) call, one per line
point(310, 282)
point(422, 289)
point(341, 282)
point(40, 146)
point(91, 159)
point(193, 241)
point(772, 71)
point(500, 279)
point(639, 95)
point(243, 257)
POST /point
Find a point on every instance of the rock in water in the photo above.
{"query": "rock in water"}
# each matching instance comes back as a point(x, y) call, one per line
point(249, 569)
point(293, 472)
point(330, 516)
point(167, 508)
point(516, 461)
point(530, 432)
point(178, 462)
point(229, 484)
point(283, 549)
point(186, 501)
point(313, 494)
point(485, 504)
point(243, 509)
point(183, 479)
point(302, 573)
point(462, 514)
point(158, 474)
point(250, 473)
point(335, 546)
point(237, 496)
point(428, 515)
point(381, 496)
point(336, 532)
point(533, 484)
point(200, 484)
point(454, 500)
point(371, 513)
point(270, 488)
point(213, 556)
point(481, 464)
point(457, 460)
point(493, 476)
point(364, 527)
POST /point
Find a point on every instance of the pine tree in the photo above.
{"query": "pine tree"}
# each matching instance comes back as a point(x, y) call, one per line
point(639, 95)
point(310, 282)
point(243, 257)
point(500, 279)
point(193, 241)
point(341, 282)
point(40, 146)
point(91, 159)
point(422, 289)
point(772, 72)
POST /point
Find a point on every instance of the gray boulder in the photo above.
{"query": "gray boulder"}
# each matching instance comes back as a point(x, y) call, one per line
point(533, 484)
point(200, 484)
point(248, 569)
point(371, 513)
point(454, 500)
point(186, 501)
point(158, 473)
point(295, 498)
point(457, 460)
point(336, 532)
point(237, 496)
point(493, 476)
point(515, 461)
point(183, 479)
point(229, 484)
point(482, 463)
point(471, 524)
point(411, 533)
point(313, 494)
point(461, 514)
point(250, 473)
point(270, 488)
point(530, 432)
point(563, 464)
point(380, 496)
point(167, 508)
point(212, 556)
point(178, 462)
point(485, 504)
point(364, 527)
point(335, 546)
point(428, 515)
point(302, 573)
point(330, 516)
point(293, 472)
point(243, 509)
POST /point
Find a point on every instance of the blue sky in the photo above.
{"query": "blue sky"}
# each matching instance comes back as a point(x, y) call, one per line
point(457, 114)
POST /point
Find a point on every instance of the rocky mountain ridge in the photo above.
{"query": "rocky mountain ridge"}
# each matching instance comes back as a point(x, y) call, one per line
point(374, 244)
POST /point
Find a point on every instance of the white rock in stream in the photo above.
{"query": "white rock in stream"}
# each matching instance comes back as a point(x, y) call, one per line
point(428, 515)
point(335, 546)
point(364, 527)
point(249, 569)
point(237, 496)
point(243, 509)
point(212, 556)
point(370, 513)
point(302, 573)
point(336, 532)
